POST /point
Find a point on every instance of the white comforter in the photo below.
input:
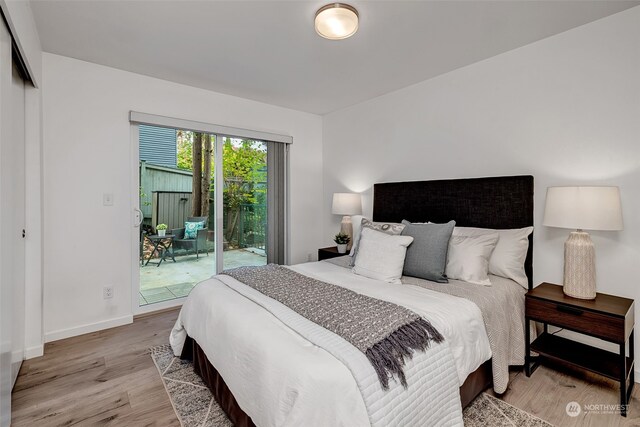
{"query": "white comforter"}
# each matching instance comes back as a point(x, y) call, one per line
point(279, 378)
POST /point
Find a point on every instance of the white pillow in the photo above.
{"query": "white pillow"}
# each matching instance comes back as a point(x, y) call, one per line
point(507, 260)
point(384, 227)
point(381, 256)
point(468, 257)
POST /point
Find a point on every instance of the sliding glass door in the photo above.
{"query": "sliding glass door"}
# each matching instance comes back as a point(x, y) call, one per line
point(244, 202)
point(207, 202)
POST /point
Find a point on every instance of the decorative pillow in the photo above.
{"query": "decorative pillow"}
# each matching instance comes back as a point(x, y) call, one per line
point(507, 260)
point(469, 257)
point(427, 257)
point(391, 228)
point(381, 256)
point(191, 229)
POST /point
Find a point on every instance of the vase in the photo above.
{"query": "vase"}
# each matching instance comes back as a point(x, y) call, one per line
point(342, 249)
point(162, 233)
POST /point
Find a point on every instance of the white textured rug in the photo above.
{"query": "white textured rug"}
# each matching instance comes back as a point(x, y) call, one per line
point(196, 407)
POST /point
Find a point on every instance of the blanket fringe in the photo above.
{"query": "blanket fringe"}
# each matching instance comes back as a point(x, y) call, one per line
point(388, 356)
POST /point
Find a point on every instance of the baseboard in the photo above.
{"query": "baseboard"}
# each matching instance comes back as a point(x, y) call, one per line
point(155, 312)
point(88, 328)
point(35, 351)
point(158, 306)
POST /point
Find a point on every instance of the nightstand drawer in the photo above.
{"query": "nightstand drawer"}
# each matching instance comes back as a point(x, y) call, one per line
point(595, 324)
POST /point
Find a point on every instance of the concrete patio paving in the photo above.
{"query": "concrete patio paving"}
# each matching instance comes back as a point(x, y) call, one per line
point(173, 280)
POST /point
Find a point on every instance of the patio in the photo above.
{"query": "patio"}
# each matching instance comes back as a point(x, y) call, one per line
point(173, 280)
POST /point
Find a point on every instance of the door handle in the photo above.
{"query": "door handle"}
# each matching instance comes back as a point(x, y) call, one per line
point(139, 217)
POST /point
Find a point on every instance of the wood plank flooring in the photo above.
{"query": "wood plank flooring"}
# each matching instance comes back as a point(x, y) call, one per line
point(103, 378)
point(108, 378)
point(548, 391)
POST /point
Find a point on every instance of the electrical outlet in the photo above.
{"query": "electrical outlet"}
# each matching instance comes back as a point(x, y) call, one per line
point(107, 199)
point(107, 292)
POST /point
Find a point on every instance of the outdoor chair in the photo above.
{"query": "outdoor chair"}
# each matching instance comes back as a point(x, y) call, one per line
point(196, 245)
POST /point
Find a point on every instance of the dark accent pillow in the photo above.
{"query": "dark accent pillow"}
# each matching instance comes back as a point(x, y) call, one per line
point(427, 256)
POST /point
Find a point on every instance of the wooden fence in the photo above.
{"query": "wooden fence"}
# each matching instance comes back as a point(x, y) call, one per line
point(154, 178)
point(171, 208)
point(166, 199)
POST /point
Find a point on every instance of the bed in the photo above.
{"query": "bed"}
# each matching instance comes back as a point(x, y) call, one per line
point(255, 365)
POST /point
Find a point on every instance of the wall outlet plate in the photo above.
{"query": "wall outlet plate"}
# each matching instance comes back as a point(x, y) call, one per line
point(107, 292)
point(107, 199)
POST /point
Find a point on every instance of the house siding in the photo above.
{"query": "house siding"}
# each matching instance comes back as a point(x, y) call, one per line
point(158, 146)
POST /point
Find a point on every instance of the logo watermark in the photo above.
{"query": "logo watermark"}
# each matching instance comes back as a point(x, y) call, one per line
point(574, 409)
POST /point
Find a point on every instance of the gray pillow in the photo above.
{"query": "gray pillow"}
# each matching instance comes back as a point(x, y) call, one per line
point(427, 256)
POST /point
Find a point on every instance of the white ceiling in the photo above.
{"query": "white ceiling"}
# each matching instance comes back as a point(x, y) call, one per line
point(268, 51)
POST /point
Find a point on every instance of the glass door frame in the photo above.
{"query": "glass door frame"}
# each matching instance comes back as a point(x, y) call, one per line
point(219, 132)
point(218, 207)
point(137, 219)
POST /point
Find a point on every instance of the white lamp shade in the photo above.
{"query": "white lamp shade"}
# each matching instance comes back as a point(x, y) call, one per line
point(346, 204)
point(583, 208)
point(336, 21)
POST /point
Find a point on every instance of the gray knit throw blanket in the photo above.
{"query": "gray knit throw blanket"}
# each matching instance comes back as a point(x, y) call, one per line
point(386, 333)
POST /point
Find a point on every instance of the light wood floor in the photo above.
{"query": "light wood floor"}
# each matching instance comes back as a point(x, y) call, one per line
point(108, 378)
point(103, 378)
point(548, 391)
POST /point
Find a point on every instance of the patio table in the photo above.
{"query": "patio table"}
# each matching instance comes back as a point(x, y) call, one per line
point(163, 244)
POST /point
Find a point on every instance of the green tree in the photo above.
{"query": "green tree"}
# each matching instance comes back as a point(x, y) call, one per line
point(244, 172)
point(184, 148)
point(245, 176)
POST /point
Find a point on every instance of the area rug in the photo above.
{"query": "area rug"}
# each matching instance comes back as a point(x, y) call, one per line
point(196, 407)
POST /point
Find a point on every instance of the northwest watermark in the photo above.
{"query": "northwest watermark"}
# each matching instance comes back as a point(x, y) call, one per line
point(574, 409)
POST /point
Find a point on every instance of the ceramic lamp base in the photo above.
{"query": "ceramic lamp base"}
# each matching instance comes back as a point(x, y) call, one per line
point(579, 266)
point(347, 228)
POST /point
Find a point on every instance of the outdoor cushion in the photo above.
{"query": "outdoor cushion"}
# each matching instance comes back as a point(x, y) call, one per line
point(191, 229)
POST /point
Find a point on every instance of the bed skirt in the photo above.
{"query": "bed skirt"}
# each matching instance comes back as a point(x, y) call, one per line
point(478, 381)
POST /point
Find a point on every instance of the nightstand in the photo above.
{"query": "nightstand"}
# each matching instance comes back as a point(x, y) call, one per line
point(330, 252)
point(607, 317)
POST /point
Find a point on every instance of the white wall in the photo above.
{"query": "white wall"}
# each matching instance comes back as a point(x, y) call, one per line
point(565, 109)
point(87, 153)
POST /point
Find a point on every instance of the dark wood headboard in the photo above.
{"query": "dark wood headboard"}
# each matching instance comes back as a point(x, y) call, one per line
point(496, 202)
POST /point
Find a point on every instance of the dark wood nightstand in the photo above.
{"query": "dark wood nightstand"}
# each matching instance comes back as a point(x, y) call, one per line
point(607, 317)
point(330, 252)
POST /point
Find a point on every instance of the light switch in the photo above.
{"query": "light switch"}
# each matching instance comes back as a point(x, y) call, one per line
point(107, 199)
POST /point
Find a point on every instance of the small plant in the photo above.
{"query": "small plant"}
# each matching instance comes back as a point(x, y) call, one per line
point(342, 239)
point(161, 227)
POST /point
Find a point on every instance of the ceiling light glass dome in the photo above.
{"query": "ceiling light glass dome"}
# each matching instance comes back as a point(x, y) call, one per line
point(336, 21)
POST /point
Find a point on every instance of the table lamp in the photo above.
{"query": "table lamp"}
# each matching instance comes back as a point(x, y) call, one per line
point(582, 208)
point(347, 204)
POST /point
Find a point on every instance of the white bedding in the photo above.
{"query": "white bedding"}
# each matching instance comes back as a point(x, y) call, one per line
point(280, 378)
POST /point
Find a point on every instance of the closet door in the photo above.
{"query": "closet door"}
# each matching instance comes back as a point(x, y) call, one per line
point(16, 238)
point(6, 271)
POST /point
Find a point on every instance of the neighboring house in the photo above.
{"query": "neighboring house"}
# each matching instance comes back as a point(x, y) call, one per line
point(158, 146)
point(158, 170)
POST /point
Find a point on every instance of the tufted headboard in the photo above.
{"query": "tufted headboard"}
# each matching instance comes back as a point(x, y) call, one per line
point(495, 202)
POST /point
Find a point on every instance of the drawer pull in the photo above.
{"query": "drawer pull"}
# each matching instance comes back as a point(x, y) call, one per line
point(569, 310)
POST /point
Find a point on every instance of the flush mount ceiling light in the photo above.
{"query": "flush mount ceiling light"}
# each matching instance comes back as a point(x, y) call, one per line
point(336, 21)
